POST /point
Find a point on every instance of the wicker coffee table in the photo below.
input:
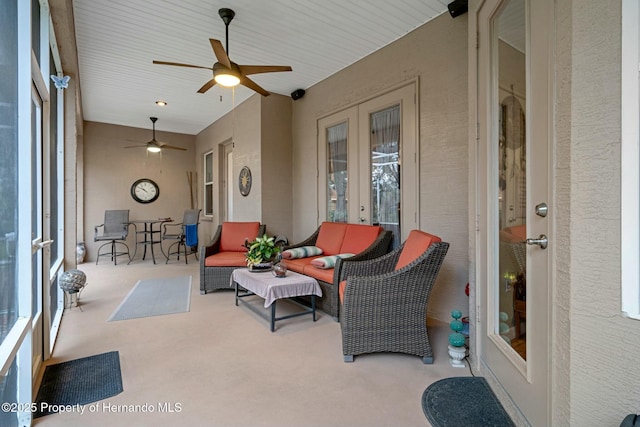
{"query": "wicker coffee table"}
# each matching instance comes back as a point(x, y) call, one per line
point(271, 288)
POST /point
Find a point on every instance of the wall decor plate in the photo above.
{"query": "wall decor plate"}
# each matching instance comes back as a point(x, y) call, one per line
point(244, 181)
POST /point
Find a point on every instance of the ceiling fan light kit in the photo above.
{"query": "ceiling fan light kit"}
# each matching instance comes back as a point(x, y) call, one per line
point(224, 76)
point(225, 72)
point(154, 146)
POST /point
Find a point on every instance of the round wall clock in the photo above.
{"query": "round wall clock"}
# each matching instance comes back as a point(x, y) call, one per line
point(145, 191)
point(244, 181)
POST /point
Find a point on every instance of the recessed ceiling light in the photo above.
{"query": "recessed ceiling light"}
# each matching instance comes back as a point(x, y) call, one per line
point(161, 103)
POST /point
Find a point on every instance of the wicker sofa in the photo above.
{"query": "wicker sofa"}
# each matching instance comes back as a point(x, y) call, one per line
point(225, 253)
point(333, 238)
point(384, 300)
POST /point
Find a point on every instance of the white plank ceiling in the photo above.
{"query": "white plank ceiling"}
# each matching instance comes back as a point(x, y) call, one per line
point(118, 40)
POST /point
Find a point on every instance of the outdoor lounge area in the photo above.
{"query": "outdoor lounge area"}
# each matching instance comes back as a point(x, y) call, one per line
point(289, 377)
point(455, 184)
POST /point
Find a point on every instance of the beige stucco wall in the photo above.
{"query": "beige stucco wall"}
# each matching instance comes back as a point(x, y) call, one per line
point(436, 54)
point(110, 170)
point(260, 129)
point(276, 164)
point(601, 374)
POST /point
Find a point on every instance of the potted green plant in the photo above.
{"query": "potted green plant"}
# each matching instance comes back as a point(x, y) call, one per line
point(261, 252)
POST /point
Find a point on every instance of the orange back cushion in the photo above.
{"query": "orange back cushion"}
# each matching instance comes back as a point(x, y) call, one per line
point(330, 237)
point(359, 237)
point(234, 235)
point(415, 245)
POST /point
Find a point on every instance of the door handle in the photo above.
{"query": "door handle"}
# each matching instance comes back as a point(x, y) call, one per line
point(41, 245)
point(541, 241)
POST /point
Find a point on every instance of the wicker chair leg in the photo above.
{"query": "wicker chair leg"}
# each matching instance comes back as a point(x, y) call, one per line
point(427, 360)
point(348, 358)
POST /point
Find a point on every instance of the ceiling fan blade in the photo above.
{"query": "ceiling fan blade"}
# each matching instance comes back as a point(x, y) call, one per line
point(181, 65)
point(221, 55)
point(246, 81)
point(171, 147)
point(208, 85)
point(247, 70)
point(136, 146)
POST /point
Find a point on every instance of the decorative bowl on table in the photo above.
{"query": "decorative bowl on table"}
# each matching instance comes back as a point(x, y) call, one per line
point(280, 269)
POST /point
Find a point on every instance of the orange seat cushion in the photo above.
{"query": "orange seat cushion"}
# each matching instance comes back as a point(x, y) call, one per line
point(415, 245)
point(226, 259)
point(330, 237)
point(234, 235)
point(319, 274)
point(341, 288)
point(359, 237)
point(297, 264)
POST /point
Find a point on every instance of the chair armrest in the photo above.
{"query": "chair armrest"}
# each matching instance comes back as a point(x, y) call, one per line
point(95, 231)
point(363, 293)
point(309, 241)
point(413, 279)
point(354, 266)
point(213, 247)
point(377, 249)
point(171, 224)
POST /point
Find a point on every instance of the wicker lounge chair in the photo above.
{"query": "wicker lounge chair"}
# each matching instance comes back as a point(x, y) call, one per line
point(225, 253)
point(384, 300)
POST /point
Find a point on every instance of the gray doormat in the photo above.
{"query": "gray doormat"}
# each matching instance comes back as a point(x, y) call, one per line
point(78, 382)
point(463, 401)
point(155, 297)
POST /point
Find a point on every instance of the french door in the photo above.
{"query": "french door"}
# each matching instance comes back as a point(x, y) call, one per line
point(367, 157)
point(513, 240)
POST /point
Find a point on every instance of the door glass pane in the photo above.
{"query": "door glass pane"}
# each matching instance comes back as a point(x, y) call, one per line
point(511, 175)
point(8, 167)
point(337, 174)
point(385, 170)
point(36, 202)
point(53, 168)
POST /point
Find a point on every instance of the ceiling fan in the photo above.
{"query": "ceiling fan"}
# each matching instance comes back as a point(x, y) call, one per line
point(226, 72)
point(154, 145)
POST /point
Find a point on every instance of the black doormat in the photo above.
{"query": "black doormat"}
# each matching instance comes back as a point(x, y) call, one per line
point(78, 382)
point(463, 402)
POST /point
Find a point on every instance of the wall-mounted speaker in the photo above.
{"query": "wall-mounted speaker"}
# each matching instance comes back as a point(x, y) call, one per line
point(297, 94)
point(458, 7)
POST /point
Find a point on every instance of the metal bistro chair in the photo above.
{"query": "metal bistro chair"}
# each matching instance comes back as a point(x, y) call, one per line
point(184, 233)
point(115, 230)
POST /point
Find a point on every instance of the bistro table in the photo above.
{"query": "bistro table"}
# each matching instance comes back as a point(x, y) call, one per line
point(150, 235)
